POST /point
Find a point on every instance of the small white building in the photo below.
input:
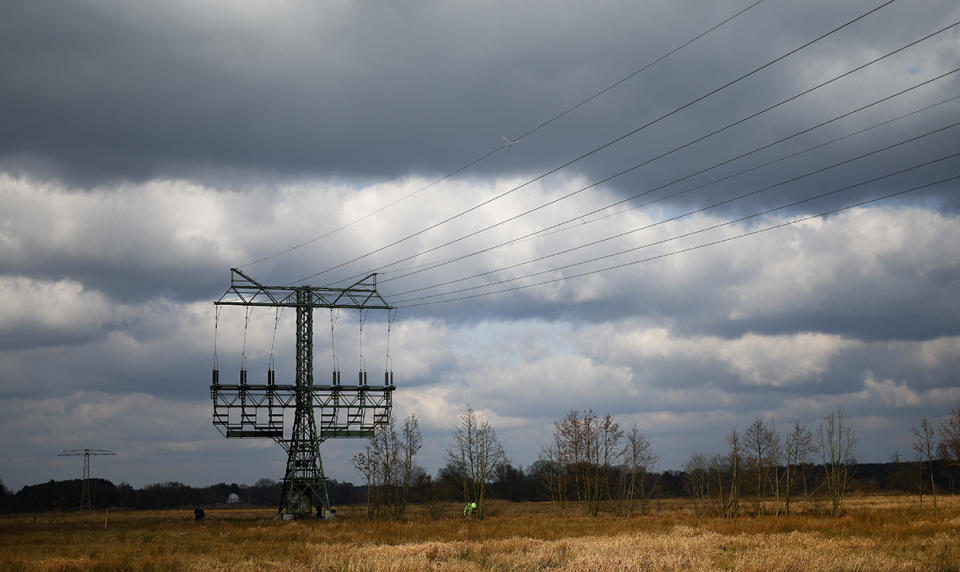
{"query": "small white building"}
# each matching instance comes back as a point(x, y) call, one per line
point(234, 498)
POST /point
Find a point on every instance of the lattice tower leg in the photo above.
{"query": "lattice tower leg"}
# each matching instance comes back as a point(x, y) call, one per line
point(304, 484)
point(85, 501)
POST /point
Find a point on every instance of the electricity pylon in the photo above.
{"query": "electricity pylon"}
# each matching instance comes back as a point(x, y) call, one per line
point(247, 410)
point(85, 500)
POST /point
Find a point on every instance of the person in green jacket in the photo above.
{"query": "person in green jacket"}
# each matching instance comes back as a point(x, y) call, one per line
point(469, 509)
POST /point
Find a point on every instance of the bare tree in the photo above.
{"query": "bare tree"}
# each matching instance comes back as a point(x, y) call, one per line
point(760, 442)
point(950, 435)
point(797, 446)
point(837, 442)
point(925, 445)
point(730, 507)
point(411, 442)
point(698, 481)
point(387, 466)
point(604, 453)
point(637, 478)
point(774, 475)
point(551, 472)
point(571, 435)
point(477, 454)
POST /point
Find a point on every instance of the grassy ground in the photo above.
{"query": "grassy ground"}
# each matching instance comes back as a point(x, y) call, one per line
point(876, 533)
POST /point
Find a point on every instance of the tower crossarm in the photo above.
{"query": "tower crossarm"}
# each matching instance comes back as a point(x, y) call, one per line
point(245, 291)
point(73, 452)
point(244, 410)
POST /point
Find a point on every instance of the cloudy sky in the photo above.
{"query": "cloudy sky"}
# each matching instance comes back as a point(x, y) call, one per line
point(703, 220)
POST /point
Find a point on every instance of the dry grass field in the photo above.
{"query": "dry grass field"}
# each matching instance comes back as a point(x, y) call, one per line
point(877, 533)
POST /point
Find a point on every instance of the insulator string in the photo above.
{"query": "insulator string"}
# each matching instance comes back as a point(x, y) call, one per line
point(391, 316)
point(216, 325)
point(363, 318)
point(333, 344)
point(273, 344)
point(243, 348)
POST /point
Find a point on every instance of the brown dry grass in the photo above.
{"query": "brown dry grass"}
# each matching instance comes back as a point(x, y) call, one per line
point(877, 533)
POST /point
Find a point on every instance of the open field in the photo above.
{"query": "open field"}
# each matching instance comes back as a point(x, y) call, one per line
point(877, 533)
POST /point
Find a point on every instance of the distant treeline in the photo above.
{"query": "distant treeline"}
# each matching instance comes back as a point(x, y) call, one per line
point(511, 483)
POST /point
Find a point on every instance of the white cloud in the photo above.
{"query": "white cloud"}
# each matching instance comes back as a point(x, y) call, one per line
point(775, 361)
point(890, 392)
point(45, 311)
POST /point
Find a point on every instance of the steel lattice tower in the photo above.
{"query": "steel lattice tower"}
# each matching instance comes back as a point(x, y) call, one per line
point(256, 410)
point(86, 502)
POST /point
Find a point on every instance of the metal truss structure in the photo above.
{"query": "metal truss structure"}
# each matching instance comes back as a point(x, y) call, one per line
point(246, 410)
point(86, 502)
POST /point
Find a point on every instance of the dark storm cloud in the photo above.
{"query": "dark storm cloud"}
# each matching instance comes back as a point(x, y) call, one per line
point(96, 90)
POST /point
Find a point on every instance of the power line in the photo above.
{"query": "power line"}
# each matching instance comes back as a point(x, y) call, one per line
point(762, 165)
point(605, 145)
point(704, 245)
point(699, 210)
point(560, 226)
point(657, 157)
point(493, 151)
point(702, 209)
point(642, 69)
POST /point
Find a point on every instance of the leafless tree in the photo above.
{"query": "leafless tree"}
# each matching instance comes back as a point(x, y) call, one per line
point(837, 443)
point(925, 445)
point(797, 446)
point(950, 435)
point(571, 435)
point(712, 481)
point(552, 472)
point(477, 454)
point(387, 465)
point(604, 453)
point(698, 481)
point(730, 507)
point(554, 461)
point(774, 474)
point(411, 442)
point(637, 478)
point(760, 443)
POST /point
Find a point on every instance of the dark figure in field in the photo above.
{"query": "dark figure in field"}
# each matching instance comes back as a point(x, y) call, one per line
point(199, 515)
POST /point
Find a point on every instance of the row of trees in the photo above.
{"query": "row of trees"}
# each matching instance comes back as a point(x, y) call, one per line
point(65, 495)
point(591, 462)
point(387, 464)
point(760, 463)
point(435, 492)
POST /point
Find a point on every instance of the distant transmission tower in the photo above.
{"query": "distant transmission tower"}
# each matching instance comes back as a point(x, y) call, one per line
point(346, 410)
point(85, 501)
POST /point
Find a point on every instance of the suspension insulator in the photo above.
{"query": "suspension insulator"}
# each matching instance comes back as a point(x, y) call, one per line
point(336, 377)
point(391, 378)
point(364, 378)
point(386, 378)
point(271, 377)
point(360, 378)
point(216, 377)
point(243, 377)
